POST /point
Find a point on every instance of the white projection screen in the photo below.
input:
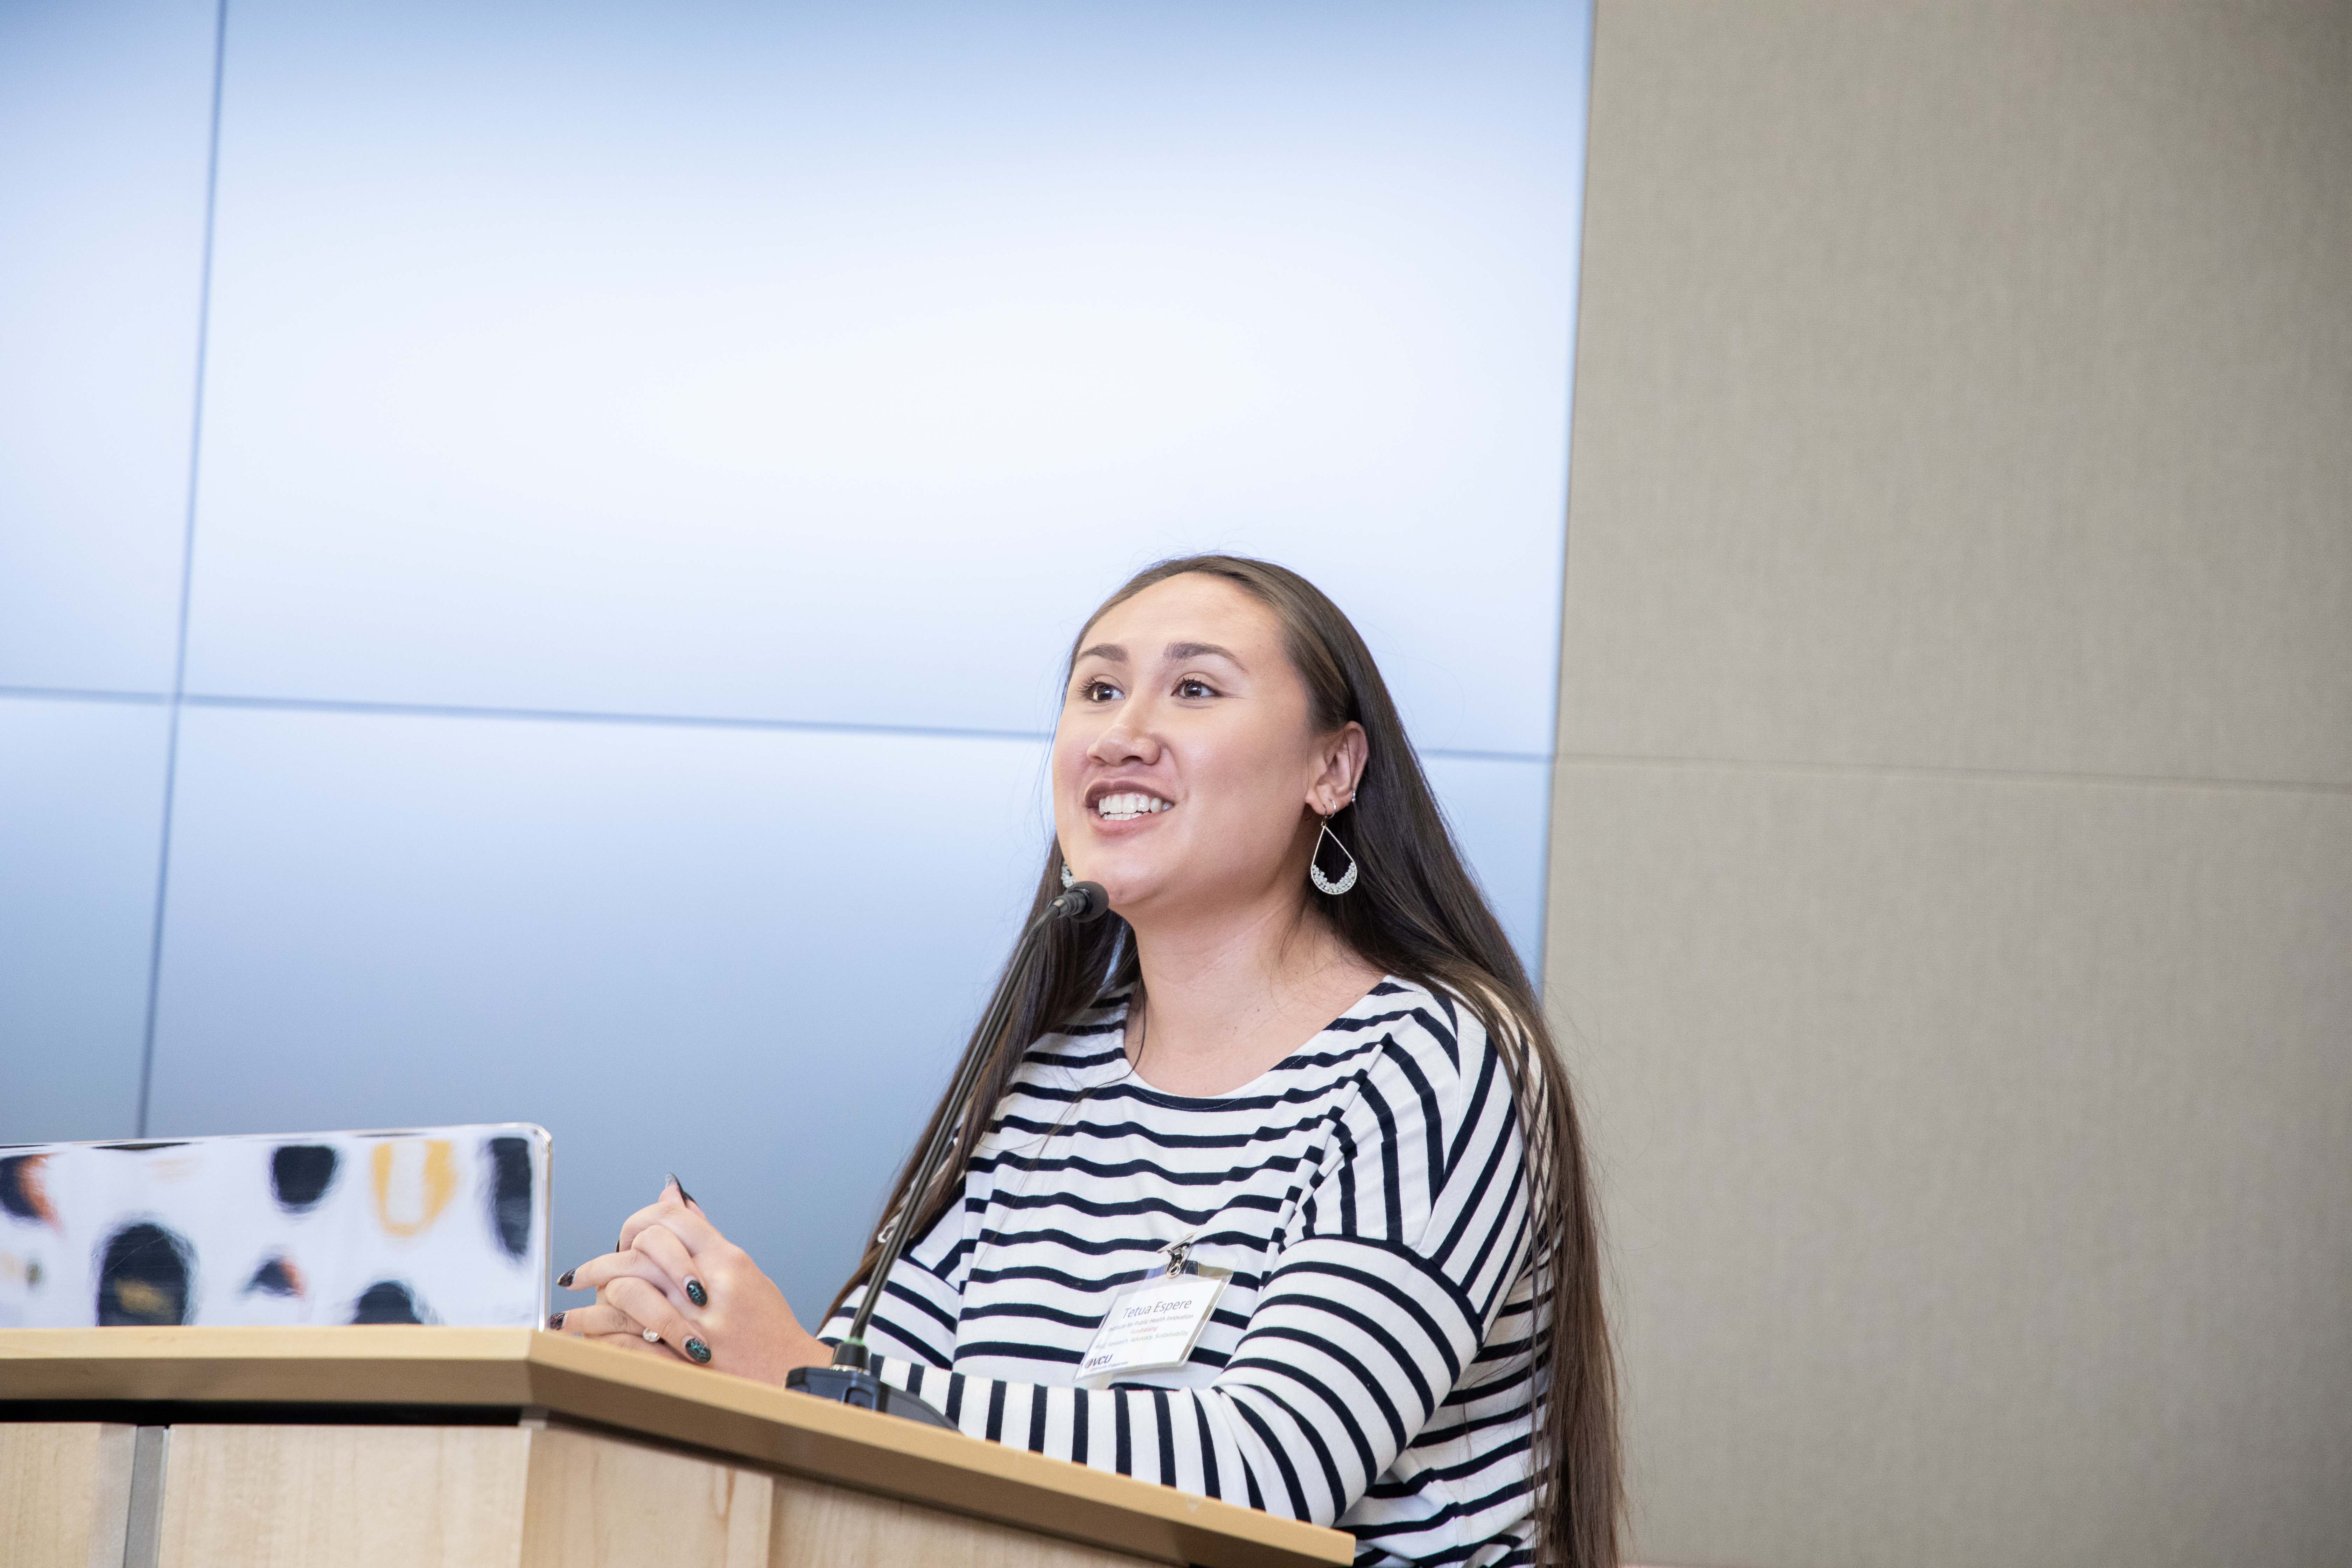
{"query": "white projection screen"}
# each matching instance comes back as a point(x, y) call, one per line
point(645, 467)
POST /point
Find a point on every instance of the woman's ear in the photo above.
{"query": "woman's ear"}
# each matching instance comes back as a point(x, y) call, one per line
point(1343, 757)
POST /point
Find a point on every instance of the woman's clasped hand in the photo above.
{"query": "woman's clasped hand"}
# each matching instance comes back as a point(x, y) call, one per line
point(674, 1285)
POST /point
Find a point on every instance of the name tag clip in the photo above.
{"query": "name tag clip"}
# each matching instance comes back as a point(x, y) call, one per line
point(1153, 1324)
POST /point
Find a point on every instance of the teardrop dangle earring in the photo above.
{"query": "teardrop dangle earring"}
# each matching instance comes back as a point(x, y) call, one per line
point(1069, 878)
point(1347, 879)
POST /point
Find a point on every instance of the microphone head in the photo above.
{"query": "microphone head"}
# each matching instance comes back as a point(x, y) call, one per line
point(1081, 902)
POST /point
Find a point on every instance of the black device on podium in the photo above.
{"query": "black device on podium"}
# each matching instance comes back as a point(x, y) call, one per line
point(850, 1380)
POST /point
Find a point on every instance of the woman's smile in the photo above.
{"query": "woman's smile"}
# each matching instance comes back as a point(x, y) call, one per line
point(1112, 803)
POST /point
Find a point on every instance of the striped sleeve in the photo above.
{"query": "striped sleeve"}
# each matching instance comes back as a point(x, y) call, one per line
point(1407, 1232)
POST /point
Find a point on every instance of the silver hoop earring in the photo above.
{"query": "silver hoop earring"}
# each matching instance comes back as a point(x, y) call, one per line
point(1069, 878)
point(1315, 868)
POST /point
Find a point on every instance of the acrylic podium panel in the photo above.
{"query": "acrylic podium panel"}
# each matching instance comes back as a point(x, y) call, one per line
point(419, 1447)
point(441, 1225)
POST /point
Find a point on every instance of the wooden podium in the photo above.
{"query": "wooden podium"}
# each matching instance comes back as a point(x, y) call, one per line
point(428, 1448)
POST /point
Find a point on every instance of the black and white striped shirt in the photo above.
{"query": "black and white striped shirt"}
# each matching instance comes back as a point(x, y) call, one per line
point(1369, 1363)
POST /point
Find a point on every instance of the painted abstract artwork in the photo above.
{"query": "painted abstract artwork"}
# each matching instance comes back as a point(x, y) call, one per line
point(445, 1224)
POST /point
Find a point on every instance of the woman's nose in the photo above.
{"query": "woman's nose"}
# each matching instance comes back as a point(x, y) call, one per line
point(1124, 742)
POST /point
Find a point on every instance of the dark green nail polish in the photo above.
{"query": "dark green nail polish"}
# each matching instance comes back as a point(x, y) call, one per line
point(698, 1350)
point(683, 1197)
point(563, 1280)
point(555, 1319)
point(697, 1294)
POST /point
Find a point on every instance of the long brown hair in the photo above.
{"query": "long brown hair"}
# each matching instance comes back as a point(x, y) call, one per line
point(1416, 913)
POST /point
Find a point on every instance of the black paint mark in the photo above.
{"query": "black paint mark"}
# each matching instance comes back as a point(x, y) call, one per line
point(509, 1161)
point(143, 1148)
point(144, 1277)
point(300, 1173)
point(275, 1277)
point(387, 1301)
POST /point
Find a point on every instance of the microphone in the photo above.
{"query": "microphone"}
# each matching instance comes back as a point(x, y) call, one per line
point(1078, 903)
point(849, 1380)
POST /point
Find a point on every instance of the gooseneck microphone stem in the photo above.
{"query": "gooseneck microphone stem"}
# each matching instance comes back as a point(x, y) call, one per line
point(847, 1381)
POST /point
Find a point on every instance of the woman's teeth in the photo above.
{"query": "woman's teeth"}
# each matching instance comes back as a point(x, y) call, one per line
point(1126, 808)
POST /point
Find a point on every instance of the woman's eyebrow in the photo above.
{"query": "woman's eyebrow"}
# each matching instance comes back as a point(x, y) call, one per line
point(1179, 651)
point(1110, 651)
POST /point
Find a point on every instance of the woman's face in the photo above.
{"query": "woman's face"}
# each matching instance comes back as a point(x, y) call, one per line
point(1187, 770)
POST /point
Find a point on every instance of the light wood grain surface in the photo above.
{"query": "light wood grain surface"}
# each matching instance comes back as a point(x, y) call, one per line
point(363, 1497)
point(598, 1502)
point(64, 1491)
point(260, 1495)
point(728, 1416)
point(843, 1528)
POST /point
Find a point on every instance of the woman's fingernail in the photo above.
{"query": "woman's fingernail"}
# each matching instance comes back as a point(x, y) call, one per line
point(555, 1319)
point(622, 1245)
point(563, 1280)
point(697, 1294)
point(698, 1350)
point(683, 1195)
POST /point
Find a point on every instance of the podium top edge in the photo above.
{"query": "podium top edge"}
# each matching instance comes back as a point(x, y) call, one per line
point(397, 1365)
point(23, 1350)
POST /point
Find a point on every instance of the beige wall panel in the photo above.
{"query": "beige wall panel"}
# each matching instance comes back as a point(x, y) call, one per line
point(1967, 384)
point(1977, 1158)
point(358, 1497)
point(816, 1523)
point(65, 1493)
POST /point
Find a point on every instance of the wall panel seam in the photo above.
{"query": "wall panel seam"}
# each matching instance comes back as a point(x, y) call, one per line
point(1974, 775)
point(677, 720)
point(82, 694)
point(187, 572)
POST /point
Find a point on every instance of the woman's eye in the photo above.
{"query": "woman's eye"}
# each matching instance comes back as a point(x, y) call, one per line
point(1191, 687)
point(1100, 691)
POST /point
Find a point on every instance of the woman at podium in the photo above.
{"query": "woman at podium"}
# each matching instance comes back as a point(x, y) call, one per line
point(1271, 1188)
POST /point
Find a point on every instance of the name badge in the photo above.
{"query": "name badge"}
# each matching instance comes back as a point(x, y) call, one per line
point(1154, 1323)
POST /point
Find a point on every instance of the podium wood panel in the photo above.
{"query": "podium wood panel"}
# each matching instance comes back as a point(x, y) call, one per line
point(843, 1528)
point(600, 1502)
point(515, 1497)
point(369, 1497)
point(747, 1430)
point(65, 1493)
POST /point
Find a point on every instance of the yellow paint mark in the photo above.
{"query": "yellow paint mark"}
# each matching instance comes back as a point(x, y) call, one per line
point(142, 1299)
point(409, 1205)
